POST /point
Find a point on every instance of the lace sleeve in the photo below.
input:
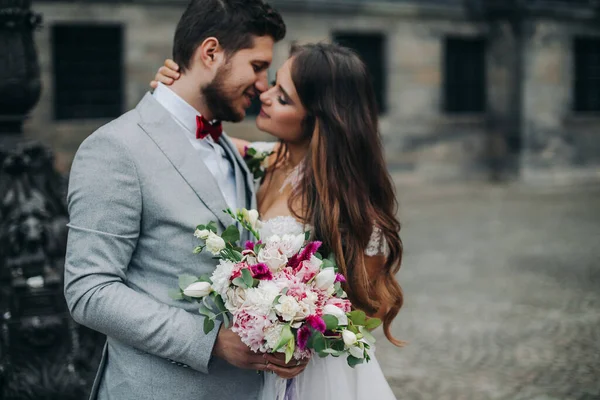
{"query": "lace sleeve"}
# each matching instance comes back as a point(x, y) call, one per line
point(377, 244)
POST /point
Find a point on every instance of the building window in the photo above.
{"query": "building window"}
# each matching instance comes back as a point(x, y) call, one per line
point(587, 74)
point(464, 75)
point(88, 71)
point(371, 48)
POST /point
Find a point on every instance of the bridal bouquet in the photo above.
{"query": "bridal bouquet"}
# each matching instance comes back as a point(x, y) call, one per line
point(279, 294)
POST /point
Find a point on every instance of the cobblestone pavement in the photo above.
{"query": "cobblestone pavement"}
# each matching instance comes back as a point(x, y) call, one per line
point(502, 288)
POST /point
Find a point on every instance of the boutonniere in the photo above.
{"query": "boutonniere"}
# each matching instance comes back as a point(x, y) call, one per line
point(256, 156)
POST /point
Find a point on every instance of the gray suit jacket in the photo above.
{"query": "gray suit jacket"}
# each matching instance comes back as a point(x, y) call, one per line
point(137, 190)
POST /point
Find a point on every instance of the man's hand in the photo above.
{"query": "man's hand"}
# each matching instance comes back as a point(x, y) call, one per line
point(230, 348)
point(276, 363)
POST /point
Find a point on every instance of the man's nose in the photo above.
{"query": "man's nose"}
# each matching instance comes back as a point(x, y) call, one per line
point(262, 84)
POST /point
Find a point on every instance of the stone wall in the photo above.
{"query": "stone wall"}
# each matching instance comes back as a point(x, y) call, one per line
point(421, 141)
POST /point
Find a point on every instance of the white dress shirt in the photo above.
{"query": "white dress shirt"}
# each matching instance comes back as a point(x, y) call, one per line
point(211, 153)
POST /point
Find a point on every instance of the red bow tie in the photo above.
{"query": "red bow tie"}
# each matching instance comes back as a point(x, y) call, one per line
point(205, 128)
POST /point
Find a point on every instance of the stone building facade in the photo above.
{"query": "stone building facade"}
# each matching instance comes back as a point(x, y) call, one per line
point(468, 89)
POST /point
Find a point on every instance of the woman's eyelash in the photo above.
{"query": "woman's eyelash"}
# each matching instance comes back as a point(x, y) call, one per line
point(282, 101)
point(273, 83)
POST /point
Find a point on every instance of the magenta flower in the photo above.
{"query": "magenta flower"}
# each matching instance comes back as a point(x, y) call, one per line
point(316, 322)
point(305, 255)
point(340, 278)
point(302, 337)
point(249, 245)
point(261, 272)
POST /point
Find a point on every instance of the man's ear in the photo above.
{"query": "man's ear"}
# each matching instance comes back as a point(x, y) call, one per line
point(209, 53)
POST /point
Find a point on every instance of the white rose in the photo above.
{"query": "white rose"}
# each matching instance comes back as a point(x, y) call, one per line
point(357, 351)
point(272, 257)
point(201, 234)
point(234, 298)
point(288, 307)
point(291, 244)
point(349, 337)
point(214, 243)
point(325, 279)
point(198, 289)
point(251, 217)
point(337, 312)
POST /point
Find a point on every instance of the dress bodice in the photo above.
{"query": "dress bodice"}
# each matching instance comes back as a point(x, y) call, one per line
point(288, 225)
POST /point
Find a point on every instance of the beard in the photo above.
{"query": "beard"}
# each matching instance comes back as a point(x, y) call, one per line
point(219, 100)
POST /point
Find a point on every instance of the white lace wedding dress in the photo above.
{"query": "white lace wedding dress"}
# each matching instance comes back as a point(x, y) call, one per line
point(328, 378)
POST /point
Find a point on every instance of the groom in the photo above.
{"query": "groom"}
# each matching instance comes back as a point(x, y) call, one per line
point(138, 187)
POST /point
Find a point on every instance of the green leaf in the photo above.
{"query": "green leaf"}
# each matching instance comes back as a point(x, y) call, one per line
point(331, 322)
point(209, 324)
point(186, 280)
point(326, 264)
point(289, 350)
point(231, 234)
point(239, 282)
point(218, 300)
point(211, 227)
point(226, 320)
point(200, 227)
point(338, 345)
point(286, 336)
point(175, 294)
point(372, 323)
point(251, 151)
point(335, 353)
point(203, 310)
point(319, 343)
point(319, 256)
point(247, 276)
point(205, 278)
point(353, 361)
point(236, 255)
point(367, 335)
point(306, 235)
point(358, 317)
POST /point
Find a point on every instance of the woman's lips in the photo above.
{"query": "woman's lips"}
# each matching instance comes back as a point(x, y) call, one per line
point(263, 114)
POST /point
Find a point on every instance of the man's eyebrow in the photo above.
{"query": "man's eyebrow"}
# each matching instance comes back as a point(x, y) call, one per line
point(262, 64)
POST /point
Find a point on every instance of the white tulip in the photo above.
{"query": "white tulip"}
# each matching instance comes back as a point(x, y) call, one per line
point(214, 243)
point(325, 279)
point(198, 289)
point(337, 312)
point(349, 338)
point(201, 233)
point(253, 218)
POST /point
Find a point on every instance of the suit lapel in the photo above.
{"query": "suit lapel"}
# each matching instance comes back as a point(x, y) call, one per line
point(243, 178)
point(166, 133)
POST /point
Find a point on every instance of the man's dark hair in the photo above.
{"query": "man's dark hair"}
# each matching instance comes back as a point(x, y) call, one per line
point(232, 22)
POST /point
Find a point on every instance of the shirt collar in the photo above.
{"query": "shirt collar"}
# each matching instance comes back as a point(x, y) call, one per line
point(178, 107)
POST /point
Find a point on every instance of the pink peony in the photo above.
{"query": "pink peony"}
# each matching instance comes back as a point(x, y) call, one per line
point(302, 337)
point(261, 272)
point(237, 270)
point(342, 304)
point(250, 328)
point(316, 322)
point(308, 269)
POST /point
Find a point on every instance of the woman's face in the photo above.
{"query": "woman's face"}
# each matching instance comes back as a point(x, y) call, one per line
point(282, 113)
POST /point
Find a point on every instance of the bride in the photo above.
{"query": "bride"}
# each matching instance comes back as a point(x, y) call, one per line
point(328, 175)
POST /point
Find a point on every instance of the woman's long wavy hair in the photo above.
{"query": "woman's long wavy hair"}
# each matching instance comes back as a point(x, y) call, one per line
point(345, 188)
